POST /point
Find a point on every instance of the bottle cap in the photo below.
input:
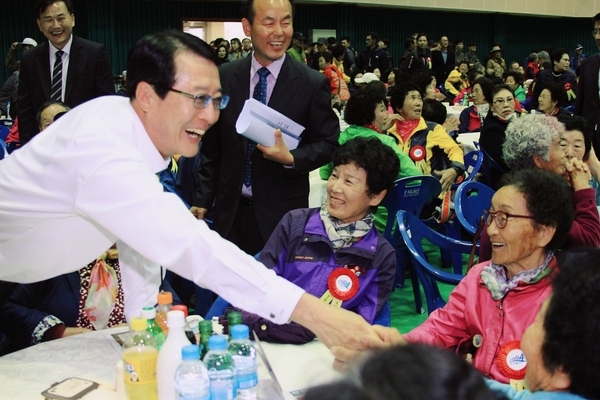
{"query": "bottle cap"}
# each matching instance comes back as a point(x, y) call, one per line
point(138, 324)
point(149, 312)
point(217, 342)
point(205, 326)
point(190, 352)
point(239, 332)
point(175, 319)
point(165, 297)
point(181, 307)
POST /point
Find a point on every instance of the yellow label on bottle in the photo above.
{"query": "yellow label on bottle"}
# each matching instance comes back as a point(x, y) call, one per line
point(140, 372)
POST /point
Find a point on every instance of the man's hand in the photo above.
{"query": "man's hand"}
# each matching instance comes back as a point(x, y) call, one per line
point(447, 177)
point(279, 152)
point(198, 212)
point(345, 358)
point(578, 174)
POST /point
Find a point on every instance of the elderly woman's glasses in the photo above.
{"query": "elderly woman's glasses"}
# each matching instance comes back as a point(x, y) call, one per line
point(500, 217)
point(203, 100)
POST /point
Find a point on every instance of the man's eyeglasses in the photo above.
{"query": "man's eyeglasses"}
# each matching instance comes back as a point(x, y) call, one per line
point(508, 100)
point(500, 217)
point(203, 100)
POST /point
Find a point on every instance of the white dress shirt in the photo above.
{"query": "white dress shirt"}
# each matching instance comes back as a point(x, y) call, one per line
point(88, 181)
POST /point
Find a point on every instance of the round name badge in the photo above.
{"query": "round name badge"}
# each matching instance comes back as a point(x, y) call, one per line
point(343, 284)
point(511, 360)
point(417, 153)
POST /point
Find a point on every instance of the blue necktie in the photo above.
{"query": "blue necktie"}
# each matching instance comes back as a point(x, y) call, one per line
point(260, 94)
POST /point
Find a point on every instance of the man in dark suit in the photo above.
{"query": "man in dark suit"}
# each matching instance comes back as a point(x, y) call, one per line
point(84, 72)
point(279, 177)
point(588, 101)
point(442, 61)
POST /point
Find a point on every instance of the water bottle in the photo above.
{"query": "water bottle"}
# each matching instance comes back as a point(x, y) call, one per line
point(186, 328)
point(465, 99)
point(221, 372)
point(139, 358)
point(150, 314)
point(191, 377)
point(244, 361)
point(169, 356)
point(165, 299)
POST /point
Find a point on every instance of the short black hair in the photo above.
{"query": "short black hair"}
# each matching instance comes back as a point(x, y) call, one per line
point(346, 38)
point(42, 5)
point(152, 59)
point(408, 42)
point(420, 371)
point(38, 116)
point(342, 390)
point(457, 41)
point(386, 41)
point(596, 17)
point(549, 200)
point(422, 79)
point(326, 55)
point(378, 160)
point(338, 50)
point(577, 123)
point(463, 62)
point(572, 322)
point(360, 109)
point(486, 87)
point(473, 74)
point(557, 92)
point(249, 13)
point(497, 89)
point(518, 77)
point(374, 36)
point(434, 111)
point(556, 54)
point(400, 91)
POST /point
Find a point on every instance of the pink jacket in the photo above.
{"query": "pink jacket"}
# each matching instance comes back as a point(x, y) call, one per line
point(471, 310)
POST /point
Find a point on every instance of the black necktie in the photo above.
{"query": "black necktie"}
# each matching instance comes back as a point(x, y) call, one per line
point(56, 90)
point(260, 94)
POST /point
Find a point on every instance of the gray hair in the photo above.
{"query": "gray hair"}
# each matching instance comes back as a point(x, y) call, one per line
point(529, 136)
point(543, 54)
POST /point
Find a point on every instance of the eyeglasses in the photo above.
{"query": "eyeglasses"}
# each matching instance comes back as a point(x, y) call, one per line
point(508, 100)
point(500, 217)
point(203, 100)
point(595, 32)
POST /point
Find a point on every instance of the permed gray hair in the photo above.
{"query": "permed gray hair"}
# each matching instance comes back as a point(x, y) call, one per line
point(529, 136)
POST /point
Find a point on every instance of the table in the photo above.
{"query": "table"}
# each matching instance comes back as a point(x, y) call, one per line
point(467, 140)
point(26, 373)
point(453, 109)
point(318, 189)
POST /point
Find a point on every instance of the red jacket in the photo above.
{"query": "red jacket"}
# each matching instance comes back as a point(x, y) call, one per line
point(471, 311)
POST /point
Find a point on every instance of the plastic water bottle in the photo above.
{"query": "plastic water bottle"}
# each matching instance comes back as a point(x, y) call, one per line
point(139, 359)
point(150, 314)
point(169, 356)
point(221, 372)
point(191, 377)
point(244, 360)
point(165, 300)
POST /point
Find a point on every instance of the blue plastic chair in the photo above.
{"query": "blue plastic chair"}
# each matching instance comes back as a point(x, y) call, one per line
point(470, 200)
point(473, 164)
point(491, 167)
point(5, 125)
point(413, 231)
point(410, 194)
point(220, 304)
point(3, 150)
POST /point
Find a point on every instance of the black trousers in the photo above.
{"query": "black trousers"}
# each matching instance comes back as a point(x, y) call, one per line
point(245, 232)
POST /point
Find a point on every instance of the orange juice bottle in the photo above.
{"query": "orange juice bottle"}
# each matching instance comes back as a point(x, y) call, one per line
point(165, 301)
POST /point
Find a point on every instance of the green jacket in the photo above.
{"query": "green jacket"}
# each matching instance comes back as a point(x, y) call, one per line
point(407, 166)
point(295, 54)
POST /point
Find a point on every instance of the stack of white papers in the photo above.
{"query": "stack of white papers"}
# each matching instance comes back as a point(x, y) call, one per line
point(258, 122)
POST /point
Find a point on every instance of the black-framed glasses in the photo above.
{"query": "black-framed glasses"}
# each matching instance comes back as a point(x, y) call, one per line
point(203, 100)
point(500, 217)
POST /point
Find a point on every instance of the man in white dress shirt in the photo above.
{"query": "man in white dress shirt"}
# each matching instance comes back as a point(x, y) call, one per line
point(89, 180)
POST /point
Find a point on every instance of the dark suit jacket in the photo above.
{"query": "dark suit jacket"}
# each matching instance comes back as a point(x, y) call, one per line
point(588, 102)
point(299, 93)
point(89, 76)
point(441, 69)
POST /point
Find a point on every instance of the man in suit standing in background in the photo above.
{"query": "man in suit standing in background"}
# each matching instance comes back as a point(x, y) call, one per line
point(253, 186)
point(442, 61)
point(587, 103)
point(66, 68)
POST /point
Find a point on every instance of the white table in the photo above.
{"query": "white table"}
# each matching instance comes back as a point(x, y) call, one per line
point(318, 189)
point(94, 356)
point(467, 140)
point(453, 109)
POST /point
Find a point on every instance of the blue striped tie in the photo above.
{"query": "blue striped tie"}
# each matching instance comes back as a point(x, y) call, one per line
point(56, 90)
point(260, 94)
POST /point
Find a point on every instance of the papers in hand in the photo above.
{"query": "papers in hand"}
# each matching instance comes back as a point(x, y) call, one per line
point(258, 122)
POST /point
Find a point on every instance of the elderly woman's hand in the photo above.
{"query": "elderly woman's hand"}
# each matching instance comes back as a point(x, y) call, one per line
point(451, 123)
point(578, 174)
point(391, 119)
point(447, 177)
